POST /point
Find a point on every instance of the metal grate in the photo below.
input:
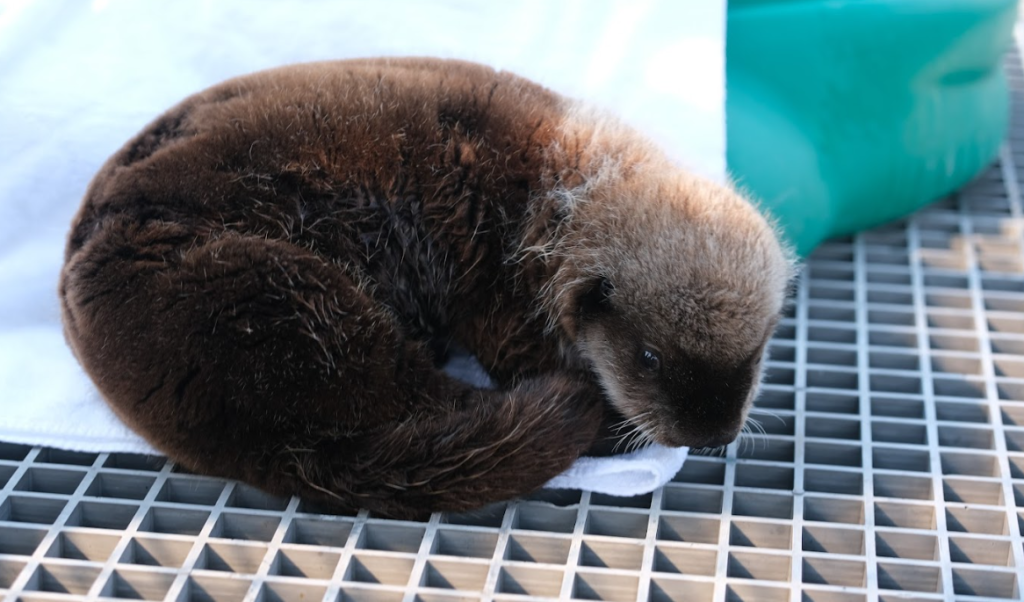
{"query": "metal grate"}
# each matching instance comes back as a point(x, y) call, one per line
point(891, 468)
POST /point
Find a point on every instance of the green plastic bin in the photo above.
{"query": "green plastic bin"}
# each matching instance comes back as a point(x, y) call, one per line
point(843, 114)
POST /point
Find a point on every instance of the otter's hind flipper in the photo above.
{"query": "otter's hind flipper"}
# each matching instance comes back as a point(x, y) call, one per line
point(497, 446)
point(258, 360)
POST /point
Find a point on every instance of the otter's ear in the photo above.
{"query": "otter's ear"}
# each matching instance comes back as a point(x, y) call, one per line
point(596, 296)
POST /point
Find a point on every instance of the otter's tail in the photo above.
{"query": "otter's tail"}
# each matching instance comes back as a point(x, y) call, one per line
point(259, 360)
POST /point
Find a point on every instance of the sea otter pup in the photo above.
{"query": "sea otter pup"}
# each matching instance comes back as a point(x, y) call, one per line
point(264, 281)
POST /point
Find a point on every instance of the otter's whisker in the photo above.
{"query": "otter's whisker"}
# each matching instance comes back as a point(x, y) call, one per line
point(634, 436)
point(720, 451)
point(634, 421)
point(746, 440)
point(623, 441)
point(619, 426)
point(755, 425)
point(753, 432)
point(767, 413)
point(644, 439)
point(627, 440)
point(631, 440)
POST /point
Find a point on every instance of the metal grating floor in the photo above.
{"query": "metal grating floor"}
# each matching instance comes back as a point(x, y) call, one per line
point(891, 468)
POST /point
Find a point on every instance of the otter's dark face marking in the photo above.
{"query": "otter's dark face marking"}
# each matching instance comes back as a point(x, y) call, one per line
point(709, 402)
point(674, 397)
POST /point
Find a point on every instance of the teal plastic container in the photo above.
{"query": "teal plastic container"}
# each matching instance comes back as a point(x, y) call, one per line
point(843, 114)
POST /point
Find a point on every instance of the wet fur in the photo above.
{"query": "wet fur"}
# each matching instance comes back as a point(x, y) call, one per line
point(264, 281)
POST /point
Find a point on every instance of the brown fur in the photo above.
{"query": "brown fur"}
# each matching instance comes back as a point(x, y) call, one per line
point(263, 282)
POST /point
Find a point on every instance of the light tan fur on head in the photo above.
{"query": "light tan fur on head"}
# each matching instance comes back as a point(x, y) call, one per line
point(696, 274)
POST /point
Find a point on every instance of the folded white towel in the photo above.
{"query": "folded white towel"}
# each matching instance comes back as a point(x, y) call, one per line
point(641, 471)
point(79, 78)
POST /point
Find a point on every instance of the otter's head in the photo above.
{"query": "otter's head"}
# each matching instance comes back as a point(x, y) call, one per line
point(675, 286)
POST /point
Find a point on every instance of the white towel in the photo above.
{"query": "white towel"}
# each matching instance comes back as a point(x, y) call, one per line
point(641, 471)
point(79, 78)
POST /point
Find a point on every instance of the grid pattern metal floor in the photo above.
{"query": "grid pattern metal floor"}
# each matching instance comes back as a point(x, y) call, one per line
point(891, 468)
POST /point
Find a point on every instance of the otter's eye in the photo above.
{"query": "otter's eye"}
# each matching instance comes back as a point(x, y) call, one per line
point(649, 360)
